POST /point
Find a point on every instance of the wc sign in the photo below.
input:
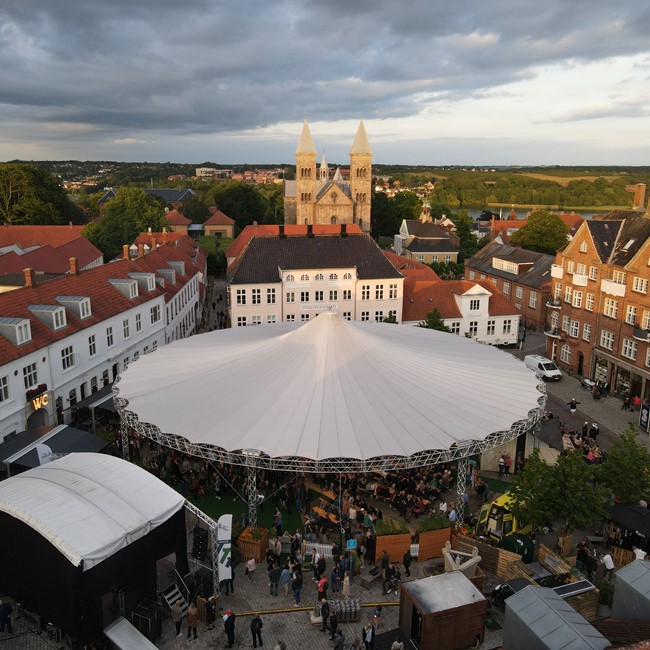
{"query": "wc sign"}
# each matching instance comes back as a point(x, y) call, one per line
point(40, 401)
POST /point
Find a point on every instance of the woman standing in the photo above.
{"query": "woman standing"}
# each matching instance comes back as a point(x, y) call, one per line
point(192, 618)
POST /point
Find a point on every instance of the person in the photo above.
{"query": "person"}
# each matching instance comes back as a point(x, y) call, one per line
point(507, 462)
point(385, 561)
point(406, 561)
point(285, 579)
point(325, 613)
point(581, 556)
point(339, 640)
point(251, 565)
point(626, 403)
point(376, 616)
point(357, 644)
point(387, 585)
point(229, 627)
point(321, 567)
point(274, 579)
point(573, 405)
point(502, 465)
point(322, 588)
point(5, 617)
point(278, 522)
point(256, 630)
point(585, 429)
point(192, 618)
point(368, 636)
point(210, 612)
point(335, 581)
point(608, 563)
point(177, 616)
point(334, 623)
point(280, 645)
point(346, 585)
point(397, 644)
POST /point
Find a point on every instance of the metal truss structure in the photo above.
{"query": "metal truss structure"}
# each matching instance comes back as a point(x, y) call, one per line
point(212, 525)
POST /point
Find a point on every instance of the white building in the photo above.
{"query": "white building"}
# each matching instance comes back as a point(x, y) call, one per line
point(62, 340)
point(293, 278)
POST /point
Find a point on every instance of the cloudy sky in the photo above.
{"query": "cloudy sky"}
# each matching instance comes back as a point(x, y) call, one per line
point(436, 82)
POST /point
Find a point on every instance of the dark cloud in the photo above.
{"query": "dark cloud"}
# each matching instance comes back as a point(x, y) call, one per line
point(202, 67)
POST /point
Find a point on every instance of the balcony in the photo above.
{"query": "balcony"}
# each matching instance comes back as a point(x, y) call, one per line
point(557, 271)
point(612, 288)
point(579, 280)
point(640, 334)
point(552, 332)
point(554, 303)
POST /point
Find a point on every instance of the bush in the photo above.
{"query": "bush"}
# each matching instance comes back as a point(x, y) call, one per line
point(390, 527)
point(434, 522)
point(606, 589)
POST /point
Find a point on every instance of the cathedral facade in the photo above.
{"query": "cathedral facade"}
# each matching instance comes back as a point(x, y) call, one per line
point(317, 197)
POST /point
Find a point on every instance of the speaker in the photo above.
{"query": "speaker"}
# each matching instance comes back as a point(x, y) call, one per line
point(204, 583)
point(200, 543)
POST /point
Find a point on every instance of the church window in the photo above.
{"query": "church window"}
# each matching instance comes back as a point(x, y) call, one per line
point(333, 220)
point(361, 223)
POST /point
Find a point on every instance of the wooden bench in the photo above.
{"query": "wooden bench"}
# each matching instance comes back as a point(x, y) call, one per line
point(369, 578)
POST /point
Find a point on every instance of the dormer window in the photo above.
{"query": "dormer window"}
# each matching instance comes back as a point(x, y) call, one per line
point(16, 330)
point(78, 305)
point(146, 281)
point(333, 276)
point(304, 278)
point(319, 276)
point(59, 319)
point(51, 315)
point(23, 333)
point(126, 286)
point(583, 247)
point(347, 276)
point(290, 277)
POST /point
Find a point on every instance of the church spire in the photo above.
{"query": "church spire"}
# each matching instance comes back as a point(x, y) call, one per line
point(324, 169)
point(306, 143)
point(361, 144)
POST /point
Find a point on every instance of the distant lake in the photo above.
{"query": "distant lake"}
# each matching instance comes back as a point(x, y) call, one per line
point(522, 212)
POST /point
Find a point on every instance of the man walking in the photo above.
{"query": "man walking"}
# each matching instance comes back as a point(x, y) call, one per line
point(325, 613)
point(229, 627)
point(256, 630)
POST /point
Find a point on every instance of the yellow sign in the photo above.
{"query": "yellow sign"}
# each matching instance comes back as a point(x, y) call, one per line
point(40, 401)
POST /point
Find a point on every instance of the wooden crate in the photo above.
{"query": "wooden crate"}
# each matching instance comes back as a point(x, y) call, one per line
point(621, 556)
point(558, 566)
point(586, 604)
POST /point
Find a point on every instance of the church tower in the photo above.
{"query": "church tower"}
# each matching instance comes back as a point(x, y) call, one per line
point(305, 176)
point(361, 178)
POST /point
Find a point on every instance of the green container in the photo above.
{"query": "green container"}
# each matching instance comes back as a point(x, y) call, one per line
point(520, 544)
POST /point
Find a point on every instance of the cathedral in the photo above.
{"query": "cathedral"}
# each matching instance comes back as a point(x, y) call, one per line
point(316, 198)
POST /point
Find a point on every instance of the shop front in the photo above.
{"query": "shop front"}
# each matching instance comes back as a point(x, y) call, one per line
point(626, 380)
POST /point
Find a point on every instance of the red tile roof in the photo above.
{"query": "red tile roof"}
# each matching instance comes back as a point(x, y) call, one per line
point(105, 299)
point(48, 259)
point(175, 218)
point(411, 268)
point(273, 230)
point(28, 236)
point(218, 218)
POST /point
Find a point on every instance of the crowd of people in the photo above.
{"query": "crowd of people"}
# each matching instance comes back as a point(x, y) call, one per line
point(585, 440)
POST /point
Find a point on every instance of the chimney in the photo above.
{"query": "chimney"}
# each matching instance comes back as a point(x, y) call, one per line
point(344, 230)
point(281, 234)
point(164, 235)
point(639, 196)
point(149, 229)
point(140, 250)
point(154, 243)
point(310, 231)
point(73, 266)
point(254, 224)
point(125, 251)
point(30, 278)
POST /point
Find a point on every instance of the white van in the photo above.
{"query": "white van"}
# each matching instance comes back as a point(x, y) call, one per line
point(544, 367)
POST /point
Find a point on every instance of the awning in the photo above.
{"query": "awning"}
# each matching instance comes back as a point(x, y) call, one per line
point(103, 399)
point(127, 637)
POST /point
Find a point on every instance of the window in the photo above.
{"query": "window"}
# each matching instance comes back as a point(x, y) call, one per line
point(347, 315)
point(379, 316)
point(4, 389)
point(334, 295)
point(365, 316)
point(570, 267)
point(92, 346)
point(583, 247)
point(270, 296)
point(72, 397)
point(23, 333)
point(291, 296)
point(125, 328)
point(290, 318)
point(448, 259)
point(30, 375)
point(575, 329)
point(472, 275)
point(565, 353)
point(379, 292)
point(93, 380)
point(154, 314)
point(290, 278)
point(630, 315)
point(555, 318)
point(138, 322)
point(629, 349)
point(495, 281)
point(474, 304)
point(645, 321)
point(392, 314)
point(304, 278)
point(532, 300)
point(59, 319)
point(333, 276)
point(347, 294)
point(507, 326)
point(647, 357)
point(577, 299)
point(347, 276)
point(67, 357)
point(593, 272)
point(566, 322)
point(473, 327)
point(519, 293)
point(318, 296)
point(455, 327)
point(581, 269)
point(241, 296)
point(241, 321)
point(84, 308)
point(365, 292)
point(586, 332)
point(109, 337)
point(640, 285)
point(270, 318)
point(256, 320)
point(607, 339)
point(568, 292)
point(491, 326)
point(611, 307)
point(256, 296)
point(558, 291)
point(589, 306)
point(506, 288)
point(125, 365)
point(154, 346)
point(392, 291)
point(304, 296)
point(304, 317)
point(434, 258)
point(618, 277)
point(419, 258)
point(319, 276)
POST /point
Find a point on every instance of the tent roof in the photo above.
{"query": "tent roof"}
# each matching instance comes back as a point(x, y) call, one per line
point(89, 506)
point(330, 388)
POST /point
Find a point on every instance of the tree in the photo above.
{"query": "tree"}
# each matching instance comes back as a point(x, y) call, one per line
point(468, 241)
point(626, 469)
point(30, 195)
point(240, 201)
point(391, 318)
point(407, 205)
point(195, 210)
point(433, 321)
point(543, 232)
point(130, 212)
point(383, 216)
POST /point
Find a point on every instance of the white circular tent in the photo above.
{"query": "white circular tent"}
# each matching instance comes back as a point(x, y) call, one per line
point(330, 395)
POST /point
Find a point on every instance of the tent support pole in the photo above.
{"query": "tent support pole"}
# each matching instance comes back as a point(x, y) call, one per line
point(213, 526)
point(125, 440)
point(252, 491)
point(461, 486)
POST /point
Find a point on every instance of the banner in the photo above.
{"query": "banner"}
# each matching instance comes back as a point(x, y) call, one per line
point(644, 417)
point(44, 454)
point(224, 547)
